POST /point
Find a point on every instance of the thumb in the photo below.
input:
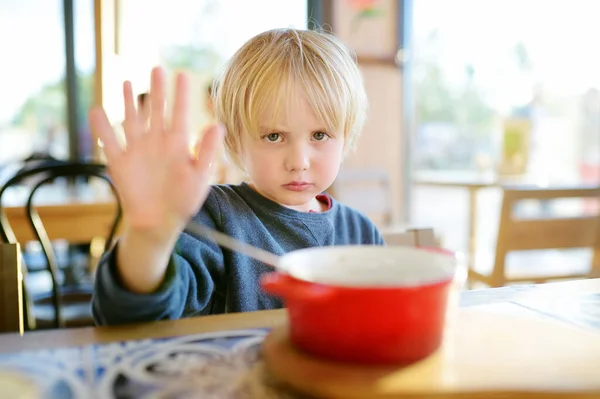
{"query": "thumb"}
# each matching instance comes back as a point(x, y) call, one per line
point(207, 147)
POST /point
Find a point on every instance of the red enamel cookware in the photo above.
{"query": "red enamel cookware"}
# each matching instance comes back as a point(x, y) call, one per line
point(365, 304)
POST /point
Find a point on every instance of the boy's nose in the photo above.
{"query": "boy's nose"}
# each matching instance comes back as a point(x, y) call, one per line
point(297, 160)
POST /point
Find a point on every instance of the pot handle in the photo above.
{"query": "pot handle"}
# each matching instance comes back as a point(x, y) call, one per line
point(287, 287)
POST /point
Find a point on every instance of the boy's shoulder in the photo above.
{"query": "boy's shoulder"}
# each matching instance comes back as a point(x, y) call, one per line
point(228, 197)
point(231, 199)
point(224, 196)
point(242, 206)
point(223, 190)
point(355, 226)
point(347, 212)
point(231, 194)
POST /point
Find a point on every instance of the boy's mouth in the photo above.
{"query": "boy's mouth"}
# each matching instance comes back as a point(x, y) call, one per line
point(297, 186)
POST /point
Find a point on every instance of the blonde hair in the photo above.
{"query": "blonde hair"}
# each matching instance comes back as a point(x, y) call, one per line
point(274, 62)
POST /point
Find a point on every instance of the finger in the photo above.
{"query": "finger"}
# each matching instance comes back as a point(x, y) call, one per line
point(208, 146)
point(158, 89)
point(102, 130)
point(132, 124)
point(180, 123)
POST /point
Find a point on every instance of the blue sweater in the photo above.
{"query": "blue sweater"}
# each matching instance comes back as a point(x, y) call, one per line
point(202, 278)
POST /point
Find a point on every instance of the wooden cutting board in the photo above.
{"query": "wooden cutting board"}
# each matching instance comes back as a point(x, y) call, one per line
point(486, 354)
point(16, 386)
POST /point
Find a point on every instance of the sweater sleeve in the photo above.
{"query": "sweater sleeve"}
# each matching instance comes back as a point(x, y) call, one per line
point(191, 279)
point(378, 237)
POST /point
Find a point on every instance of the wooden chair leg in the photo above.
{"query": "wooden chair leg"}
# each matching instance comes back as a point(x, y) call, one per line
point(498, 276)
point(424, 237)
point(11, 292)
point(595, 269)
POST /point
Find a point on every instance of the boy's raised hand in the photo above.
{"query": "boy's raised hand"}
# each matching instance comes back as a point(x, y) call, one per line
point(160, 183)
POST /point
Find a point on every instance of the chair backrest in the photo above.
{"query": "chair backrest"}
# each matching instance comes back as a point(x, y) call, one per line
point(41, 175)
point(367, 190)
point(20, 173)
point(11, 284)
point(15, 167)
point(539, 233)
point(411, 238)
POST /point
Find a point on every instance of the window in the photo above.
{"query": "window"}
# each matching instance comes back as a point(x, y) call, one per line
point(197, 36)
point(34, 107)
point(483, 67)
point(33, 99)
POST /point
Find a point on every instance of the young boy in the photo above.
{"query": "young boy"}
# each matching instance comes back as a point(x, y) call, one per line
point(292, 103)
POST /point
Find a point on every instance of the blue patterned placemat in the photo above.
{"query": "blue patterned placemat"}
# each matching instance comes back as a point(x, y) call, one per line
point(209, 365)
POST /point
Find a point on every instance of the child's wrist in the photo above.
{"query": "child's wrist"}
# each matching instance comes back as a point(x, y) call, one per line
point(142, 259)
point(158, 236)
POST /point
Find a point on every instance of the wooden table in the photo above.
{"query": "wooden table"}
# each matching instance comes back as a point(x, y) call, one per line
point(74, 213)
point(208, 344)
point(12, 342)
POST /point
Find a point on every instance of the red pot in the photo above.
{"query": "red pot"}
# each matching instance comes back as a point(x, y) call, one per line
point(365, 304)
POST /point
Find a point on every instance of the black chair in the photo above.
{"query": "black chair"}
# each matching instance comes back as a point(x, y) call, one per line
point(61, 298)
point(35, 159)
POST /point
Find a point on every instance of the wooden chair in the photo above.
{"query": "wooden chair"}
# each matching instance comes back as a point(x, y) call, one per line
point(518, 234)
point(411, 238)
point(66, 305)
point(11, 292)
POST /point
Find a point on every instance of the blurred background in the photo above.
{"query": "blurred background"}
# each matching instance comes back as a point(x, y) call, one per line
point(464, 94)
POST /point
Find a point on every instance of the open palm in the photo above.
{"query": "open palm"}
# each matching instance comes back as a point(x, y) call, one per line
point(160, 183)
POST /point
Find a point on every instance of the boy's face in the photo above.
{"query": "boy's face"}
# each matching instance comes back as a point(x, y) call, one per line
point(294, 158)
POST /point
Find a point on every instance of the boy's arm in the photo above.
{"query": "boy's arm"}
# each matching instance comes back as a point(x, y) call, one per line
point(188, 286)
point(378, 237)
point(185, 286)
point(372, 235)
point(142, 259)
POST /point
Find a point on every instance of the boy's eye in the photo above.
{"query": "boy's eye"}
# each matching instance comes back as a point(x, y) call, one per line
point(273, 137)
point(320, 136)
